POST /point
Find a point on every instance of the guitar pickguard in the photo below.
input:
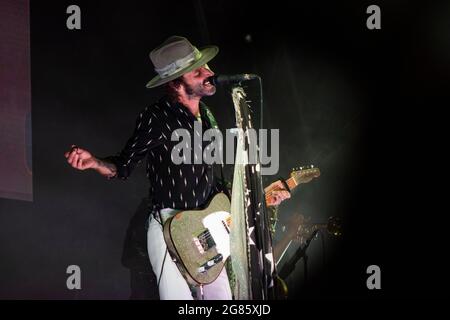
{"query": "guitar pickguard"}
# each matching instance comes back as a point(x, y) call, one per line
point(214, 222)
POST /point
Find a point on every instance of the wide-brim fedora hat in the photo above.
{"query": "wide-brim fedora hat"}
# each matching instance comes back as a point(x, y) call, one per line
point(177, 56)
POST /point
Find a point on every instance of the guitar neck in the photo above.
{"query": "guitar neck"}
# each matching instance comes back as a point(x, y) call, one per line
point(290, 182)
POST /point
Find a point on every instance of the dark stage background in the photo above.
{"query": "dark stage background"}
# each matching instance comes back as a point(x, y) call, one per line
point(15, 101)
point(352, 101)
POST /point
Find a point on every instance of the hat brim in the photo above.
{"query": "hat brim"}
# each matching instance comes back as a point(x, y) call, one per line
point(208, 53)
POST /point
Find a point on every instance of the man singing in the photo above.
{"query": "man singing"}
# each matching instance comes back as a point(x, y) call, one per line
point(183, 70)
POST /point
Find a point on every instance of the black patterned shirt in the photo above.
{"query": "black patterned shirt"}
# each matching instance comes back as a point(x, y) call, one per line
point(177, 186)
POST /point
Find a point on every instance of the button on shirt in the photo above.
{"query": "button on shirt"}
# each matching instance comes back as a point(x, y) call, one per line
point(177, 186)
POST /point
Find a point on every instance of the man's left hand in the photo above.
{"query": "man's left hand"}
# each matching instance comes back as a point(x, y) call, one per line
point(276, 193)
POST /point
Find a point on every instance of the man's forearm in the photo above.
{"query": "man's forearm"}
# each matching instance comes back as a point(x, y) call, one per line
point(105, 168)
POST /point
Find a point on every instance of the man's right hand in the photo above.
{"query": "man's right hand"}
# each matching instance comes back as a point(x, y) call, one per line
point(81, 159)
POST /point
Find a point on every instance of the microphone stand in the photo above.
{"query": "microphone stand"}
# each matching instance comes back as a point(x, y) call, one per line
point(300, 253)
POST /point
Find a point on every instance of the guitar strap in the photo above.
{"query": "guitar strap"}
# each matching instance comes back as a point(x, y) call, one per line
point(286, 186)
point(213, 124)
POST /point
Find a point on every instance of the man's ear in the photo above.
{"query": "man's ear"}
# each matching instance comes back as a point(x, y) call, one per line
point(175, 85)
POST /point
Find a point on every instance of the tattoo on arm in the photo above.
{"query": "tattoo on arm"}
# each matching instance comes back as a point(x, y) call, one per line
point(106, 168)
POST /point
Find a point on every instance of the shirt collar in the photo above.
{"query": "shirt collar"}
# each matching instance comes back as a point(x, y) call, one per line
point(175, 105)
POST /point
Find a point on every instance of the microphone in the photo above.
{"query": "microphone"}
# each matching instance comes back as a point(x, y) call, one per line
point(230, 79)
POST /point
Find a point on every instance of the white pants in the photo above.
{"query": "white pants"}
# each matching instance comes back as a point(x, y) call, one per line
point(172, 285)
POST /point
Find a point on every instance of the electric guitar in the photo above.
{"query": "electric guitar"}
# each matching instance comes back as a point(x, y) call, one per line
point(199, 240)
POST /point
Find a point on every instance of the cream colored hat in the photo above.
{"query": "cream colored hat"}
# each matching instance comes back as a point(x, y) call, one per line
point(177, 56)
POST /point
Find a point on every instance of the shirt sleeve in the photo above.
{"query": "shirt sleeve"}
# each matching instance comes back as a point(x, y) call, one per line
point(146, 135)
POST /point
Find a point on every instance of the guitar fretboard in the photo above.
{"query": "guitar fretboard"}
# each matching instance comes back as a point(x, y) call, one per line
point(290, 182)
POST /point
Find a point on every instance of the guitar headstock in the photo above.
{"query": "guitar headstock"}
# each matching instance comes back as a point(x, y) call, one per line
point(304, 174)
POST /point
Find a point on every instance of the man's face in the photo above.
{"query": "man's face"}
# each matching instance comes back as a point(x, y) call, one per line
point(195, 82)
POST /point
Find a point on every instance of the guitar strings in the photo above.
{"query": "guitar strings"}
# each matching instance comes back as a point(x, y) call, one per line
point(206, 235)
point(273, 190)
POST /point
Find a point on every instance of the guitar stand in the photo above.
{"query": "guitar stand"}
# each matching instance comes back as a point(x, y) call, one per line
point(300, 253)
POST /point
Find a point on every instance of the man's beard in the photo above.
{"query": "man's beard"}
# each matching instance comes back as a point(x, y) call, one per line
point(199, 90)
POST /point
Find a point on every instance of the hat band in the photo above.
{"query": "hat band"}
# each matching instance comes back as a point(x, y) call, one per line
point(179, 64)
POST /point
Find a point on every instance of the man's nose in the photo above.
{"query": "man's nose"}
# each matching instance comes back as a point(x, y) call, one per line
point(207, 72)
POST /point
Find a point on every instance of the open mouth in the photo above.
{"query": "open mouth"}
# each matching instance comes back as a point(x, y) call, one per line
point(207, 83)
